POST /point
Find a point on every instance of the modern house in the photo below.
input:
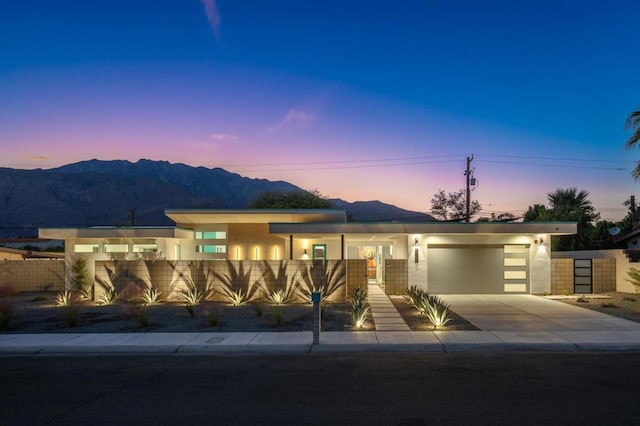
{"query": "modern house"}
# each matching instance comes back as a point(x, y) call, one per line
point(481, 257)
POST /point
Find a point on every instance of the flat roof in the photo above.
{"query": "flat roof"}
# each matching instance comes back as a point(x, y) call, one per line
point(206, 216)
point(552, 228)
point(115, 232)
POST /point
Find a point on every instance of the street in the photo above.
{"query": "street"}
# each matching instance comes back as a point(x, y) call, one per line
point(354, 389)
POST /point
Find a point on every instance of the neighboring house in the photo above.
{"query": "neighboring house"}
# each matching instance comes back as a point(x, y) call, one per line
point(7, 253)
point(482, 257)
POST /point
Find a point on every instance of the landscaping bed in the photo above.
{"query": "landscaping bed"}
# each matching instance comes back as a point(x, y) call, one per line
point(617, 304)
point(37, 313)
point(419, 322)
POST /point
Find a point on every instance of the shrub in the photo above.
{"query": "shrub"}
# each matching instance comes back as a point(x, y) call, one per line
point(277, 316)
point(259, 308)
point(413, 295)
point(71, 315)
point(6, 313)
point(190, 310)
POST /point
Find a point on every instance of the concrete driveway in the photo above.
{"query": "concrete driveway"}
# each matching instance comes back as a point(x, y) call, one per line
point(531, 313)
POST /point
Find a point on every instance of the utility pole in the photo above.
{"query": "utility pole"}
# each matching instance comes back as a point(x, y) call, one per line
point(468, 175)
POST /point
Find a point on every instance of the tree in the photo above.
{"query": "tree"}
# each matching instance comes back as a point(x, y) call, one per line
point(633, 123)
point(452, 206)
point(291, 200)
point(568, 205)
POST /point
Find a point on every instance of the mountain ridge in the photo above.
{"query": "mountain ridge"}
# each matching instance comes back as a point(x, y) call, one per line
point(104, 192)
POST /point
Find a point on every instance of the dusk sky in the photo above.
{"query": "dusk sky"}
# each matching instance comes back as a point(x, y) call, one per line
point(361, 100)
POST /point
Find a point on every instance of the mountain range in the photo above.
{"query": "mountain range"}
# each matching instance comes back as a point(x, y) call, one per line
point(96, 192)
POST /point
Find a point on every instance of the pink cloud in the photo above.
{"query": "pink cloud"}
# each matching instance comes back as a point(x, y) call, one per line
point(293, 117)
point(213, 16)
point(224, 137)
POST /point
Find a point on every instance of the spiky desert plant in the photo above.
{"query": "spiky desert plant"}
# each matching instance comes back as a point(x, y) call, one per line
point(277, 279)
point(65, 298)
point(413, 295)
point(438, 312)
point(192, 296)
point(423, 302)
point(278, 297)
point(237, 298)
point(150, 296)
point(109, 297)
point(359, 306)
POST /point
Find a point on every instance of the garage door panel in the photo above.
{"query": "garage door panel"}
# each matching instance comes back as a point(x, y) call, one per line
point(474, 270)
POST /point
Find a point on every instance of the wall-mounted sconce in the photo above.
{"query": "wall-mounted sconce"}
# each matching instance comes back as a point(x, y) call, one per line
point(305, 252)
point(541, 241)
point(415, 240)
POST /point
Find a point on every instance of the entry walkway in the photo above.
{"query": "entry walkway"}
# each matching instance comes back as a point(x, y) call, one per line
point(385, 315)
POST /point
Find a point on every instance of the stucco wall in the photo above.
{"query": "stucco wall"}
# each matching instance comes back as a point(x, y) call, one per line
point(32, 275)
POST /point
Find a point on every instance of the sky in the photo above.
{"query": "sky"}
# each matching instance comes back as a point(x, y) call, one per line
point(360, 100)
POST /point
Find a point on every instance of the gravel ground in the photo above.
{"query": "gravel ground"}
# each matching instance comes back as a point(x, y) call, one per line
point(37, 313)
point(617, 304)
point(419, 322)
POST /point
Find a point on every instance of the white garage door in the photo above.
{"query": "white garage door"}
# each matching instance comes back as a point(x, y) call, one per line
point(477, 269)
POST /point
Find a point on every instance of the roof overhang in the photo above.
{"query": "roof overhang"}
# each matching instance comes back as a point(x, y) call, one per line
point(114, 232)
point(196, 217)
point(434, 228)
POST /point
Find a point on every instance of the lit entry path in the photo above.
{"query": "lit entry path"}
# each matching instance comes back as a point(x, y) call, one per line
point(385, 315)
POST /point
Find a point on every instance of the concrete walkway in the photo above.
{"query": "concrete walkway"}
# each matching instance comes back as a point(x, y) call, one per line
point(508, 323)
point(385, 315)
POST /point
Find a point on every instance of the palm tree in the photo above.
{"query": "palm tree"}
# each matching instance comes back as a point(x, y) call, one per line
point(569, 202)
point(633, 123)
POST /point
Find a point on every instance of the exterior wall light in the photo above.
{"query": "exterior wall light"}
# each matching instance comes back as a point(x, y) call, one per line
point(305, 252)
point(541, 241)
point(415, 240)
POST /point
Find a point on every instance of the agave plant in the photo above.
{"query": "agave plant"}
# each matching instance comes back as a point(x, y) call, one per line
point(278, 297)
point(237, 298)
point(192, 296)
point(109, 297)
point(359, 306)
point(150, 296)
point(277, 278)
point(65, 298)
point(438, 312)
point(413, 295)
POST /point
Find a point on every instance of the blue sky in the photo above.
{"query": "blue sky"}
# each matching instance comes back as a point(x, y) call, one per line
point(361, 100)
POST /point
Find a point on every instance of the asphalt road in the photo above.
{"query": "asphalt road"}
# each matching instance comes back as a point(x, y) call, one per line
point(323, 389)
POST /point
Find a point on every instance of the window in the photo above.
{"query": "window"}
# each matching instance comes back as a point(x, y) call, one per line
point(319, 251)
point(211, 249)
point(116, 248)
point(145, 248)
point(210, 235)
point(86, 248)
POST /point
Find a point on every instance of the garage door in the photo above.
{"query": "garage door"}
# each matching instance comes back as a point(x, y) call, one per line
point(477, 269)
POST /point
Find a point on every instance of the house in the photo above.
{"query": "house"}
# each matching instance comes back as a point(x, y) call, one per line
point(481, 257)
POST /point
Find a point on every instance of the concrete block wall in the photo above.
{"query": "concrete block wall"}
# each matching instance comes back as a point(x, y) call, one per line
point(396, 276)
point(562, 276)
point(255, 278)
point(32, 275)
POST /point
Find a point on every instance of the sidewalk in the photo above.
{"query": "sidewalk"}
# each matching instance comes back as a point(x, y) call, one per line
point(299, 342)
